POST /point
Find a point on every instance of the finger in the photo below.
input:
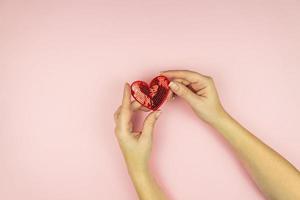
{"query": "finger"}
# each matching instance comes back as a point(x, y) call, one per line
point(188, 75)
point(201, 93)
point(125, 114)
point(130, 126)
point(126, 101)
point(135, 106)
point(182, 91)
point(117, 113)
point(183, 81)
point(125, 111)
point(149, 125)
point(137, 134)
point(198, 86)
point(195, 87)
point(171, 96)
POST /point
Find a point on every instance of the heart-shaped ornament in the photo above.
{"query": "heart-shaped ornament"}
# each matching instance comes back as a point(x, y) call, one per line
point(151, 96)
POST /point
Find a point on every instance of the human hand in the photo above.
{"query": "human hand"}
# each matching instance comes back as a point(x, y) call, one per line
point(199, 91)
point(136, 146)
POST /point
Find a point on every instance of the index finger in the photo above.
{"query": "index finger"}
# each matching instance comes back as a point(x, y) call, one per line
point(188, 75)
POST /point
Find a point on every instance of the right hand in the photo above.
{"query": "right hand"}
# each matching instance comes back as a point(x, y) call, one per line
point(198, 91)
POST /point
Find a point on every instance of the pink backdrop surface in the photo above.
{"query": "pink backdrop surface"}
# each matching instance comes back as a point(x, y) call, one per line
point(62, 69)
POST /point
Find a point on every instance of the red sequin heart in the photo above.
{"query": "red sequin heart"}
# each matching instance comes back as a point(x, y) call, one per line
point(151, 96)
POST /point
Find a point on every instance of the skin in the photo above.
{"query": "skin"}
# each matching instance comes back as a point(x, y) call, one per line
point(276, 178)
point(136, 146)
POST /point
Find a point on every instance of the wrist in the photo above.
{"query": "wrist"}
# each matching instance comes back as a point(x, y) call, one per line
point(139, 176)
point(219, 119)
point(138, 170)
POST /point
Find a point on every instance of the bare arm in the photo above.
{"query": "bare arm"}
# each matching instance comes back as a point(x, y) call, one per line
point(146, 186)
point(136, 147)
point(275, 176)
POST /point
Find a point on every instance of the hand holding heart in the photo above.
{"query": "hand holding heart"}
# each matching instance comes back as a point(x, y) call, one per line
point(197, 90)
point(136, 146)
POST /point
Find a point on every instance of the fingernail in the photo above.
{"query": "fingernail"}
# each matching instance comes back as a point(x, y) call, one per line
point(173, 85)
point(157, 114)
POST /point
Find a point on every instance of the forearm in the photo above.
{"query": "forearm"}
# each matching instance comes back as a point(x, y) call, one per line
point(146, 186)
point(274, 175)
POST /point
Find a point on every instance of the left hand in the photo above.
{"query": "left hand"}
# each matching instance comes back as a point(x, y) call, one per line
point(136, 146)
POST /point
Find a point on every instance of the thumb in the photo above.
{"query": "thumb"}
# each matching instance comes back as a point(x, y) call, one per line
point(149, 124)
point(181, 90)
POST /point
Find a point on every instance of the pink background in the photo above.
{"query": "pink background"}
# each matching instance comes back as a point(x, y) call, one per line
point(62, 69)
